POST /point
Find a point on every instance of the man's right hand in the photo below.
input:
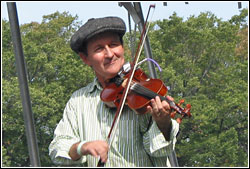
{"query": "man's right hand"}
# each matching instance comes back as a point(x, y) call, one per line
point(97, 148)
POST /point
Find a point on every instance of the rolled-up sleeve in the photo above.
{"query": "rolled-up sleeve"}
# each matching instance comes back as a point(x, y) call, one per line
point(65, 135)
point(155, 143)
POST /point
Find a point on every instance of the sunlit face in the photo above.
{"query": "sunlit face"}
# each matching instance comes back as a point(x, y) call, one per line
point(105, 55)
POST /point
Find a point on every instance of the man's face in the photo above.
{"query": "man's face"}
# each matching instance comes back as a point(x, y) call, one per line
point(105, 55)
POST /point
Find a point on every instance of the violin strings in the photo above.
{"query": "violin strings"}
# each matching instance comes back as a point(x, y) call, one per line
point(145, 91)
point(150, 94)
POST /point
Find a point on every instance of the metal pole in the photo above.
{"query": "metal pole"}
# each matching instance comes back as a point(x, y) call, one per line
point(136, 13)
point(147, 48)
point(24, 89)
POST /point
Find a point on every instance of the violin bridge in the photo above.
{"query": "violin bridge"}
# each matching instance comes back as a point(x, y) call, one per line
point(124, 83)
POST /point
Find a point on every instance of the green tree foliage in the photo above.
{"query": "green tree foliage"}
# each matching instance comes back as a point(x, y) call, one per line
point(204, 60)
point(53, 73)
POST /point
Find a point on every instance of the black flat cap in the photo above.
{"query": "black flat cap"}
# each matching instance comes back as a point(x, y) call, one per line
point(93, 27)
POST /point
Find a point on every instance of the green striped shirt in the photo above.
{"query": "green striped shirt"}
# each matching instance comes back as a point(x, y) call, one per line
point(86, 118)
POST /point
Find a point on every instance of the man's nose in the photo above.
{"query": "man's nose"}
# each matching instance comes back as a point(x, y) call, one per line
point(109, 51)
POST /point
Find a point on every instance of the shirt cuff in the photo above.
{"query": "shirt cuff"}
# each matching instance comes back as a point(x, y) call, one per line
point(156, 144)
point(60, 155)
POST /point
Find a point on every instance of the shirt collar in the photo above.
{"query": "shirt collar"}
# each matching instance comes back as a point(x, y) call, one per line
point(95, 85)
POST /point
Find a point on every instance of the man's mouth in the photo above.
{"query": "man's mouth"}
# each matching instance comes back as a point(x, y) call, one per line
point(108, 63)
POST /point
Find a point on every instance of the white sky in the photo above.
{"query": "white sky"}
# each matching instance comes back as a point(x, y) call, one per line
point(29, 11)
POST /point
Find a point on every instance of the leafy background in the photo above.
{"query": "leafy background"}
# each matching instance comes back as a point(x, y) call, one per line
point(203, 59)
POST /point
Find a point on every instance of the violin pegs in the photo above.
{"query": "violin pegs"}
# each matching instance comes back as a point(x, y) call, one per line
point(187, 109)
point(179, 120)
point(172, 115)
point(188, 106)
point(181, 101)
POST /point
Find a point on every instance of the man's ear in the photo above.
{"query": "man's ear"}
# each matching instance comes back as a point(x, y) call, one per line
point(84, 58)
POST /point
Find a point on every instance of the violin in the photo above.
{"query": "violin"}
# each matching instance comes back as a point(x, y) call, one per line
point(141, 91)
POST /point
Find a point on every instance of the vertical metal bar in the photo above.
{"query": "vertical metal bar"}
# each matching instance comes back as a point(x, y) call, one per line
point(24, 89)
point(147, 48)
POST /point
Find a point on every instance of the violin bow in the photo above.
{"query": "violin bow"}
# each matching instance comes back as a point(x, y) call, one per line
point(125, 93)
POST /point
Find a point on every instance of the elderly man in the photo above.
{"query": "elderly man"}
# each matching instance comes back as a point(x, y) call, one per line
point(80, 137)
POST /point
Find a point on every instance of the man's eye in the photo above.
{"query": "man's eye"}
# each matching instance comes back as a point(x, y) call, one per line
point(114, 45)
point(98, 49)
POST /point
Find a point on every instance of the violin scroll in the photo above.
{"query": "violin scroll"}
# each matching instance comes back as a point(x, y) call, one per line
point(186, 111)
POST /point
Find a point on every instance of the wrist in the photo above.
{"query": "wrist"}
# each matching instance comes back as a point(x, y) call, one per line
point(164, 125)
point(79, 148)
point(166, 130)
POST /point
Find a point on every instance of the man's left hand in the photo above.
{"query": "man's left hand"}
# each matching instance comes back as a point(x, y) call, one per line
point(160, 112)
